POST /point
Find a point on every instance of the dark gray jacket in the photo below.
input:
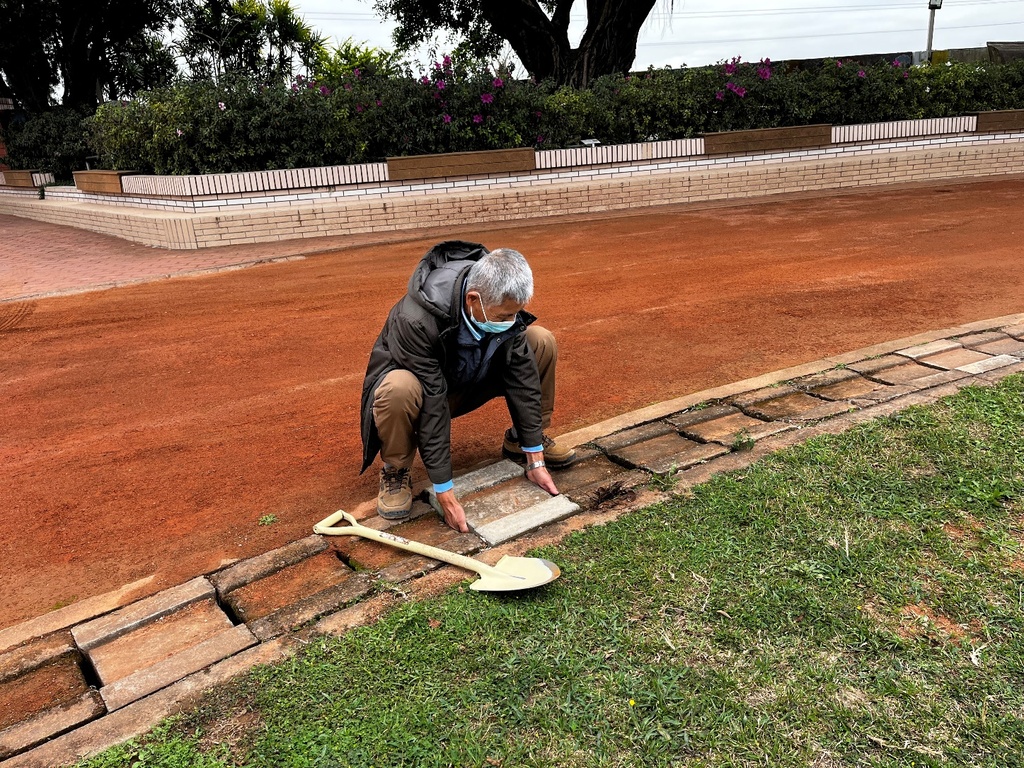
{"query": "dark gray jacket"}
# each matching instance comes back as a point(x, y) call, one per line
point(421, 335)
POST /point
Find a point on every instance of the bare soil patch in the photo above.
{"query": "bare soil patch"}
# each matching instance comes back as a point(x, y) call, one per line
point(148, 429)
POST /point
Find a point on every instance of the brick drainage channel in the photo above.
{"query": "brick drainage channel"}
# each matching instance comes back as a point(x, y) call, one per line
point(82, 678)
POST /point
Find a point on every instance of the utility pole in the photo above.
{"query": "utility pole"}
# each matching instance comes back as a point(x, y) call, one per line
point(933, 6)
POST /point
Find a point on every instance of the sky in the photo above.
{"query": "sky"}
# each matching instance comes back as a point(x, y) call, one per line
point(700, 32)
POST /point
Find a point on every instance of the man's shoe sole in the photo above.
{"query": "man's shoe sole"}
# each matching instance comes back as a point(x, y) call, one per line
point(395, 514)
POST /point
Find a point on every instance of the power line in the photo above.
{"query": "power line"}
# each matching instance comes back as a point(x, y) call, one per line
point(823, 34)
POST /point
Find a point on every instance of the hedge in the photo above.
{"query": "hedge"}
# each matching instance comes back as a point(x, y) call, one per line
point(241, 125)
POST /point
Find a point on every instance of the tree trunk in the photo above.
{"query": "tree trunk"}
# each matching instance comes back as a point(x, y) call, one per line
point(542, 44)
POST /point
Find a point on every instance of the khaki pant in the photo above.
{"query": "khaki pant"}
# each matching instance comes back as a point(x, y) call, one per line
point(399, 397)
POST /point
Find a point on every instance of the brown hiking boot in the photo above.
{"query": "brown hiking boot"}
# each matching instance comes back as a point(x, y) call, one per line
point(555, 456)
point(394, 500)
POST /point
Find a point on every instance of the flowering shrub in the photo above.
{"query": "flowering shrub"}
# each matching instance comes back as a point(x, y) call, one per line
point(358, 116)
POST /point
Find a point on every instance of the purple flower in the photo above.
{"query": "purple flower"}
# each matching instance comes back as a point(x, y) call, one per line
point(221, 106)
point(378, 102)
point(540, 139)
point(325, 91)
point(356, 72)
point(896, 63)
point(839, 63)
point(486, 98)
point(906, 75)
point(498, 82)
point(720, 95)
point(440, 85)
point(295, 88)
point(447, 119)
point(764, 73)
point(862, 73)
point(732, 66)
point(537, 114)
point(348, 86)
point(447, 61)
point(739, 90)
point(437, 65)
point(478, 119)
point(425, 80)
point(359, 107)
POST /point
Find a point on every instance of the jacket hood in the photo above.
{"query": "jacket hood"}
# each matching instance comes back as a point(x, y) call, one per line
point(436, 283)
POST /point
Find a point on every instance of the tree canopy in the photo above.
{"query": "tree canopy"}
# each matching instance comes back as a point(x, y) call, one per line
point(537, 30)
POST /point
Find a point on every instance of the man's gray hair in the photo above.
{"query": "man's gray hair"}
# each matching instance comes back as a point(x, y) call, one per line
point(501, 275)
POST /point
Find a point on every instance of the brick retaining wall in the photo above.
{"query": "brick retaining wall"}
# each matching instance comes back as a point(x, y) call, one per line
point(616, 178)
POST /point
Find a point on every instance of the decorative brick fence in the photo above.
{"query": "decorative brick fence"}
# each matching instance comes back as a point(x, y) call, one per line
point(198, 211)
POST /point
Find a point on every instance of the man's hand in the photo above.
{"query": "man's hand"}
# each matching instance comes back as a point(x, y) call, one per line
point(454, 514)
point(540, 476)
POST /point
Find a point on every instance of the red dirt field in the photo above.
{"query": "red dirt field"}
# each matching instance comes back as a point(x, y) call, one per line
point(147, 429)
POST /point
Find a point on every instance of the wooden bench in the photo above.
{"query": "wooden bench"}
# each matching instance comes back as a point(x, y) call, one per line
point(101, 182)
point(461, 164)
point(1001, 121)
point(22, 179)
point(767, 139)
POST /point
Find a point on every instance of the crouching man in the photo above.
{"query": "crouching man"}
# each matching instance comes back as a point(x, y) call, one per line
point(458, 338)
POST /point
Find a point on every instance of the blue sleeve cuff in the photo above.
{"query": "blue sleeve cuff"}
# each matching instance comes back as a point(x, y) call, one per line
point(535, 449)
point(442, 487)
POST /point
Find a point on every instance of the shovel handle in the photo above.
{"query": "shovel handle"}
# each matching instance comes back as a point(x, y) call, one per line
point(328, 527)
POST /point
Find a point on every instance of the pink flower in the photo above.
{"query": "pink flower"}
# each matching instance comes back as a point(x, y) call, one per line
point(325, 91)
point(478, 119)
point(732, 66)
point(862, 73)
point(896, 63)
point(356, 73)
point(537, 114)
point(180, 132)
point(498, 82)
point(221, 106)
point(359, 107)
point(378, 102)
point(425, 80)
point(440, 85)
point(839, 63)
point(295, 88)
point(720, 95)
point(447, 61)
point(447, 119)
point(540, 139)
point(906, 75)
point(486, 98)
point(739, 90)
point(764, 73)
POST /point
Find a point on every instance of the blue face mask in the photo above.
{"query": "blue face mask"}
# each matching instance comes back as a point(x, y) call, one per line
point(492, 327)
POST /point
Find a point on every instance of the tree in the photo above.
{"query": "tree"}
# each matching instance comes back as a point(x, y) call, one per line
point(84, 45)
point(262, 38)
point(537, 30)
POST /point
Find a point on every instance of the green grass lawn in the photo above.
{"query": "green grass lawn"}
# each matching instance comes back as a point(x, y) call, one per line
point(856, 600)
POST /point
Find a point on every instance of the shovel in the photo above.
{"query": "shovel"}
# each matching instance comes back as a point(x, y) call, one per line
point(510, 573)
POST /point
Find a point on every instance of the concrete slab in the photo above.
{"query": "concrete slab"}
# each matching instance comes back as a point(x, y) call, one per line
point(364, 555)
point(553, 509)
point(1017, 331)
point(261, 566)
point(932, 348)
point(825, 379)
point(883, 394)
point(727, 429)
point(302, 579)
point(847, 389)
point(40, 689)
point(76, 613)
point(975, 340)
point(488, 477)
point(698, 415)
point(786, 406)
point(612, 443)
point(668, 453)
point(905, 373)
point(411, 567)
point(506, 499)
point(43, 650)
point(874, 364)
point(49, 723)
point(596, 469)
point(954, 358)
point(747, 399)
point(158, 640)
point(173, 668)
point(107, 628)
point(313, 607)
point(1005, 346)
point(989, 364)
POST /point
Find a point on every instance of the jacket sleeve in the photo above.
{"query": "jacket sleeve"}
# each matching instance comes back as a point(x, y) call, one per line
point(414, 348)
point(522, 391)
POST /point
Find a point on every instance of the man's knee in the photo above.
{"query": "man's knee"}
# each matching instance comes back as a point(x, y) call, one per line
point(542, 342)
point(399, 392)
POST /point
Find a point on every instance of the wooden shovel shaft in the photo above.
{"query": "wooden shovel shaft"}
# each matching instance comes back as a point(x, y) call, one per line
point(328, 526)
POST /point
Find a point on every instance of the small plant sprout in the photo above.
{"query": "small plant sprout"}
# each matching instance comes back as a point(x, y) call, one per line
point(743, 441)
point(267, 520)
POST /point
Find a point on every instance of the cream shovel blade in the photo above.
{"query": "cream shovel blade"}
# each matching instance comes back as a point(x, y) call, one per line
point(508, 575)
